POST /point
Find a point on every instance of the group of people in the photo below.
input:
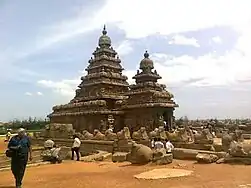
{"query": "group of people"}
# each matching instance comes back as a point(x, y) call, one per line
point(157, 143)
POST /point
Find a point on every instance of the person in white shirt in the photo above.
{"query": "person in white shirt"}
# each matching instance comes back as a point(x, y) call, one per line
point(158, 144)
point(75, 147)
point(169, 147)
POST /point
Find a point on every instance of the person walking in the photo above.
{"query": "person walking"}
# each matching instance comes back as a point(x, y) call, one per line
point(75, 147)
point(20, 148)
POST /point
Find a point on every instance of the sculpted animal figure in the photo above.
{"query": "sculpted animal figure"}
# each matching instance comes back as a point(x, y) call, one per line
point(205, 137)
point(98, 135)
point(87, 135)
point(124, 134)
point(154, 134)
point(109, 135)
point(141, 134)
point(140, 154)
point(240, 149)
point(178, 136)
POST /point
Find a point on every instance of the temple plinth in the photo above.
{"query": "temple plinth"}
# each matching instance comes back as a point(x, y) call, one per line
point(148, 103)
point(99, 93)
point(105, 94)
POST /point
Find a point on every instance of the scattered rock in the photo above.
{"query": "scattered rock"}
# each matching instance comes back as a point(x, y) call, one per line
point(220, 161)
point(206, 158)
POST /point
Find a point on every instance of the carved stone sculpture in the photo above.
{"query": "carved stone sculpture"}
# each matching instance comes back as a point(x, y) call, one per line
point(141, 134)
point(178, 136)
point(98, 135)
point(87, 135)
point(109, 135)
point(226, 141)
point(124, 134)
point(140, 154)
point(154, 134)
point(205, 137)
point(162, 133)
point(58, 130)
point(239, 149)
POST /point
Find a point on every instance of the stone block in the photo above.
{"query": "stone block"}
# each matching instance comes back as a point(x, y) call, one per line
point(166, 159)
point(119, 156)
point(206, 158)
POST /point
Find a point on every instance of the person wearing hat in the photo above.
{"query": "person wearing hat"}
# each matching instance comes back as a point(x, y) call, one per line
point(21, 148)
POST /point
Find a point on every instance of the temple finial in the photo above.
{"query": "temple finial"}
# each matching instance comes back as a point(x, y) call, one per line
point(146, 54)
point(104, 32)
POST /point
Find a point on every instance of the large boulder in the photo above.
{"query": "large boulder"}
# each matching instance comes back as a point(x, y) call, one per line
point(206, 158)
point(140, 154)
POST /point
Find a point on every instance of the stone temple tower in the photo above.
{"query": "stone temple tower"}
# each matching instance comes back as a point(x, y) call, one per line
point(100, 93)
point(149, 102)
point(104, 97)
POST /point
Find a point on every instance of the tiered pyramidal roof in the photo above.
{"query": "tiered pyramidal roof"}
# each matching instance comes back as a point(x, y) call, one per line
point(147, 92)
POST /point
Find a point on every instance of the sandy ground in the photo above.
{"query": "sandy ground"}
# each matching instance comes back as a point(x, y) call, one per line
point(108, 174)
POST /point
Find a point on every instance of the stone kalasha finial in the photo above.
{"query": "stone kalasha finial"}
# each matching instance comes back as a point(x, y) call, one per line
point(146, 64)
point(104, 40)
point(146, 54)
point(104, 32)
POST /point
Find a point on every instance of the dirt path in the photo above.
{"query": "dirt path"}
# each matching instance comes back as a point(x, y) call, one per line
point(112, 175)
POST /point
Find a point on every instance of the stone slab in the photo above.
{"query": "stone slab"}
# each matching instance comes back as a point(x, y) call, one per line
point(119, 156)
point(163, 173)
point(190, 154)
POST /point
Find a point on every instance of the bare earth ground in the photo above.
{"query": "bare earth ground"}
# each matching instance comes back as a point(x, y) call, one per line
point(108, 174)
point(112, 175)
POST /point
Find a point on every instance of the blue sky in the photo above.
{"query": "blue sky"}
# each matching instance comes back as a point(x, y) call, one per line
point(201, 49)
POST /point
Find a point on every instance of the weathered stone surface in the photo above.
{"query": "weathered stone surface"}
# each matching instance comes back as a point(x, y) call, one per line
point(206, 158)
point(124, 134)
point(109, 135)
point(190, 154)
point(140, 154)
point(141, 134)
point(165, 159)
point(205, 137)
point(237, 160)
point(100, 156)
point(119, 157)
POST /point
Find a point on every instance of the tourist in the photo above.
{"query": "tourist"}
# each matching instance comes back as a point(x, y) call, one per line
point(169, 146)
point(55, 157)
point(19, 146)
point(158, 144)
point(153, 142)
point(8, 135)
point(75, 147)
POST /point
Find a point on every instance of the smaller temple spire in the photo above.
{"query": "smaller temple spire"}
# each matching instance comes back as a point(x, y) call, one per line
point(104, 32)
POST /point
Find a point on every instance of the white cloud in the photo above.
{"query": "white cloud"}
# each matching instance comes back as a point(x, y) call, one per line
point(169, 16)
point(28, 93)
point(124, 48)
point(224, 70)
point(64, 87)
point(182, 40)
point(39, 93)
point(217, 40)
